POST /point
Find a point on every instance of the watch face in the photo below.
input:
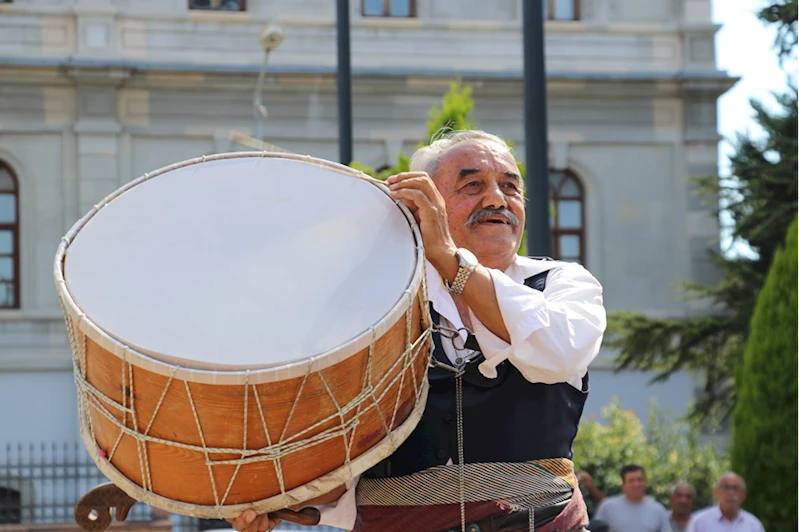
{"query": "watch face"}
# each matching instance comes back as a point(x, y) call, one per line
point(467, 256)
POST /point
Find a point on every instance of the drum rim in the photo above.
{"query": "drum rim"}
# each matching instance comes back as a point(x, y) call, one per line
point(331, 357)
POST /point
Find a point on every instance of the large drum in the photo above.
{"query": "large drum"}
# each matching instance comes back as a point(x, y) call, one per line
point(249, 330)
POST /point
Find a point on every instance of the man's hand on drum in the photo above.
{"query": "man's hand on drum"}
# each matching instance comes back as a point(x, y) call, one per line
point(249, 521)
point(418, 192)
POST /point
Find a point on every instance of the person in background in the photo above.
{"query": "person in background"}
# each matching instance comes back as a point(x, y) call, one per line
point(587, 481)
point(633, 510)
point(727, 515)
point(682, 504)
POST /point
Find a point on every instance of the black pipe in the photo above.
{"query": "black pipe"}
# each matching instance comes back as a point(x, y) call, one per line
point(344, 82)
point(539, 236)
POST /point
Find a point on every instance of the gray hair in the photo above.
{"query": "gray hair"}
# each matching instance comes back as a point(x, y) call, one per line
point(426, 158)
point(731, 474)
point(682, 485)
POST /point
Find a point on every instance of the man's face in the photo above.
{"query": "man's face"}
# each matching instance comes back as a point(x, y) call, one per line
point(682, 500)
point(482, 189)
point(730, 493)
point(633, 485)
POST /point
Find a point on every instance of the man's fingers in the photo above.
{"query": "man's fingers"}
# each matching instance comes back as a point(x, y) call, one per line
point(405, 175)
point(264, 523)
point(420, 182)
point(243, 521)
point(412, 198)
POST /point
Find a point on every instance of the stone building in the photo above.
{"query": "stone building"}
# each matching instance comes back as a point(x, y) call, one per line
point(93, 93)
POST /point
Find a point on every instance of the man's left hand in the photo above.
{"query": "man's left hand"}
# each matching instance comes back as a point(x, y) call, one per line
point(418, 192)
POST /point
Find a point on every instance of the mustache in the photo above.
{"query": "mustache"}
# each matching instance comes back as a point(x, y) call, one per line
point(483, 214)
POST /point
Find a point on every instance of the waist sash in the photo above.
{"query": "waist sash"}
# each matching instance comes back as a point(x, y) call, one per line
point(398, 503)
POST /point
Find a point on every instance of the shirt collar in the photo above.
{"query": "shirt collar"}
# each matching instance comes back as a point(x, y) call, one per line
point(720, 516)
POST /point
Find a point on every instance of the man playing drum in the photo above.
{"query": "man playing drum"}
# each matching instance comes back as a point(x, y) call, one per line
point(513, 342)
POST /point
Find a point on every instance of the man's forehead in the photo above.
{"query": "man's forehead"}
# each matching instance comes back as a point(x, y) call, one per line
point(478, 154)
point(731, 480)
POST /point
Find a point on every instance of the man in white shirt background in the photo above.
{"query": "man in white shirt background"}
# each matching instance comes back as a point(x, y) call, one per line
point(727, 515)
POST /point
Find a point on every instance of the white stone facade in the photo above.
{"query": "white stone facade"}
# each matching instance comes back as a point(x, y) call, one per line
point(93, 93)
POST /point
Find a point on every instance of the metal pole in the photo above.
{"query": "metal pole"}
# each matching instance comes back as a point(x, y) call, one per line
point(536, 151)
point(257, 104)
point(344, 82)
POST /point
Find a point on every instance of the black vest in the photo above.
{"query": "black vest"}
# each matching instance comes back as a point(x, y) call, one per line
point(506, 419)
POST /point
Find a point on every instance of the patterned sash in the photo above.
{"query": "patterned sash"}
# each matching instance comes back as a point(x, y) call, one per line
point(429, 501)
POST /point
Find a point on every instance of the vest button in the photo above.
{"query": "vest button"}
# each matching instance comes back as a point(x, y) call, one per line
point(441, 454)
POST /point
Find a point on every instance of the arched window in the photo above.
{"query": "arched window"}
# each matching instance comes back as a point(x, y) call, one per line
point(567, 218)
point(9, 238)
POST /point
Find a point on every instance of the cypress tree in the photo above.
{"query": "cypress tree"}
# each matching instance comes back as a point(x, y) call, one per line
point(764, 420)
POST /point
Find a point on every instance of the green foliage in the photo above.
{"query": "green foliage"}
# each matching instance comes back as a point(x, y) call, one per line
point(403, 165)
point(453, 114)
point(761, 200)
point(669, 450)
point(784, 15)
point(764, 420)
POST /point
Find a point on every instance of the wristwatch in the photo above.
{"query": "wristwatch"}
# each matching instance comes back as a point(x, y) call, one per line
point(467, 262)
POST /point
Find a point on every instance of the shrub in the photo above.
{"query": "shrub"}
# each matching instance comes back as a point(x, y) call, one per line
point(670, 450)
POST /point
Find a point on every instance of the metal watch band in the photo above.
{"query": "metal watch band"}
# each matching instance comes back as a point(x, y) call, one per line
point(457, 286)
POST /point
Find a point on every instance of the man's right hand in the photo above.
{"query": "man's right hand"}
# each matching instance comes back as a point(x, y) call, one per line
point(249, 521)
point(305, 514)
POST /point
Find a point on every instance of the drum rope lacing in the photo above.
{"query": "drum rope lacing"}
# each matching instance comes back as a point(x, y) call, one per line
point(370, 396)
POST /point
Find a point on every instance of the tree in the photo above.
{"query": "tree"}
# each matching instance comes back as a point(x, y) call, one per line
point(784, 14)
point(760, 199)
point(669, 450)
point(764, 420)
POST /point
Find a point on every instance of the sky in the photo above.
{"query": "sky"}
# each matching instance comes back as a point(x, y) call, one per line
point(744, 49)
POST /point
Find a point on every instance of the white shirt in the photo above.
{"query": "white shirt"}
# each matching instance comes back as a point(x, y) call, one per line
point(555, 334)
point(712, 520)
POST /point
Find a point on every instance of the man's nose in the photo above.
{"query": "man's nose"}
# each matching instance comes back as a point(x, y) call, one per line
point(494, 198)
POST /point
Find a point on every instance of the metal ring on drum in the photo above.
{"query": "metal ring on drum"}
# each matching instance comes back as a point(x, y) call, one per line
point(249, 330)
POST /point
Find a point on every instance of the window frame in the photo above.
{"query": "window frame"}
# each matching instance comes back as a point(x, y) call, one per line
point(15, 248)
point(551, 11)
point(242, 7)
point(387, 10)
point(555, 197)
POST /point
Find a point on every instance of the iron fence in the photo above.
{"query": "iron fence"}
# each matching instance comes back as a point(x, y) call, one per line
point(42, 483)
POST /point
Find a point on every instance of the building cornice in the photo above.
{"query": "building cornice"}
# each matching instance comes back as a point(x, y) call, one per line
point(117, 67)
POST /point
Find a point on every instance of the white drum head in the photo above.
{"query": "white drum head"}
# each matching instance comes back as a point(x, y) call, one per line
point(242, 263)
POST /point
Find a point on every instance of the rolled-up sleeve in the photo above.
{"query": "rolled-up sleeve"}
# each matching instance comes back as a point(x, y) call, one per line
point(554, 334)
